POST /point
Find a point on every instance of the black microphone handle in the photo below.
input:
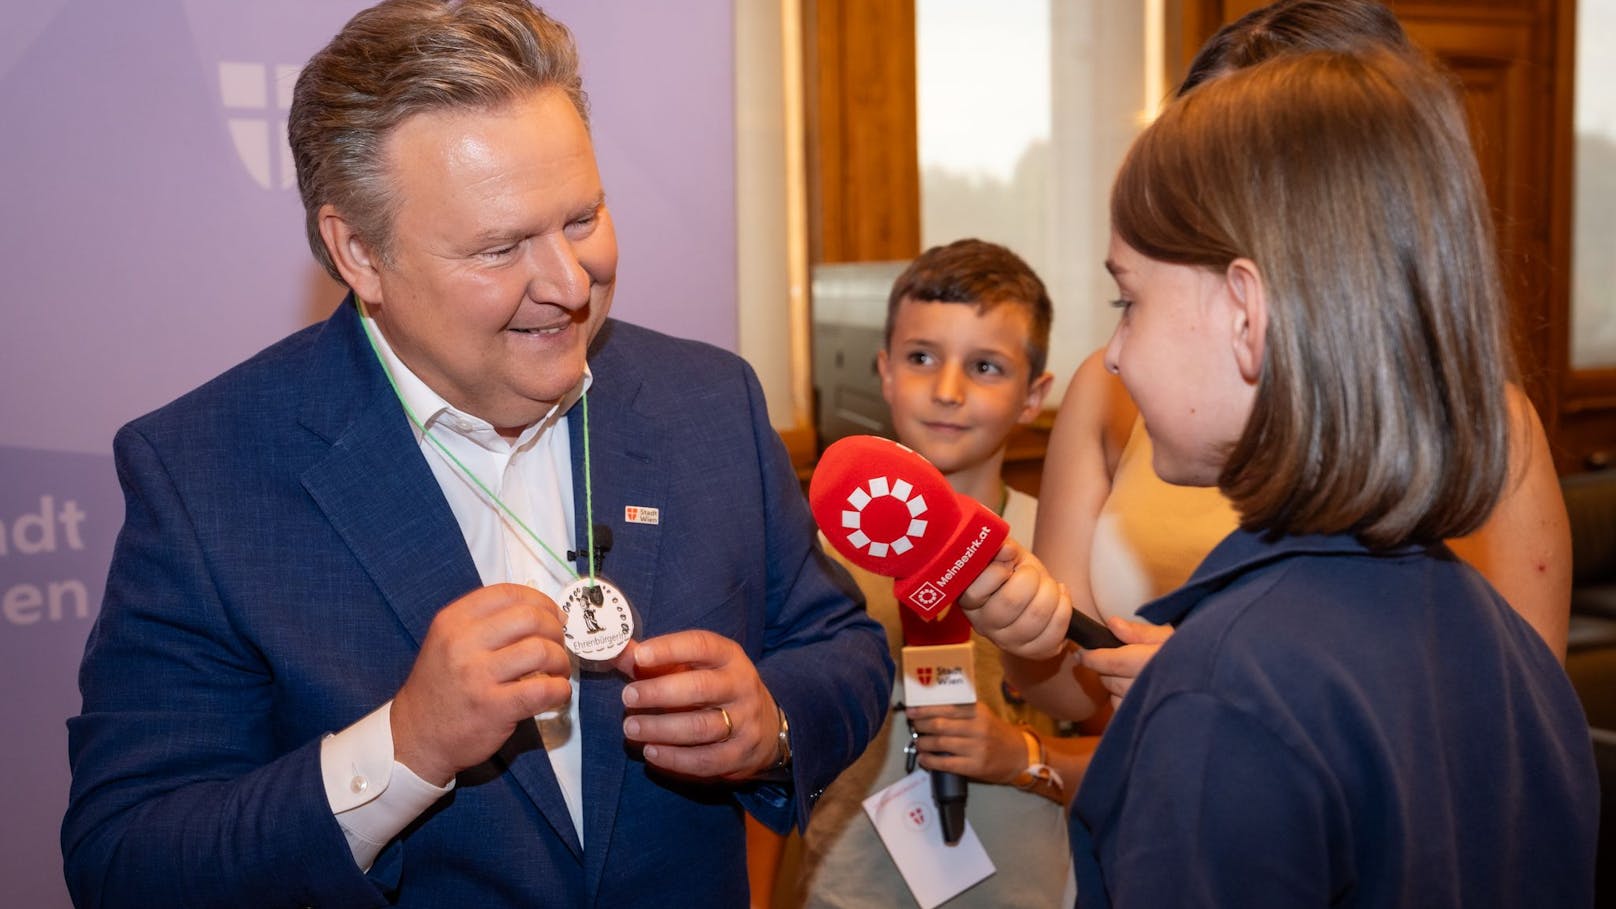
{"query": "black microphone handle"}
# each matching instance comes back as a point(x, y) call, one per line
point(1089, 634)
point(948, 792)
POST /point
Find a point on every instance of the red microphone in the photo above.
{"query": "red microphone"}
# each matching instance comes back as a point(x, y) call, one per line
point(888, 510)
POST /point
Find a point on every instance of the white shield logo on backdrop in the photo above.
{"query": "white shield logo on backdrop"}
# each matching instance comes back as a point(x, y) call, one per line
point(256, 97)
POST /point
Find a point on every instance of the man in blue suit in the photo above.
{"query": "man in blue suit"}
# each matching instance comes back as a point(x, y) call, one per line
point(331, 669)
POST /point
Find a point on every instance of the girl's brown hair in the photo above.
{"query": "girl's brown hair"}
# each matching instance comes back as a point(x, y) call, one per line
point(1350, 181)
point(1291, 26)
point(400, 58)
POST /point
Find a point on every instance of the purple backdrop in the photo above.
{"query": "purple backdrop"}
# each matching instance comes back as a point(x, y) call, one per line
point(151, 237)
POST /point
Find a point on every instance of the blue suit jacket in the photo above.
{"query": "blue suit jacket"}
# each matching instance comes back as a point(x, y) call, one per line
point(284, 550)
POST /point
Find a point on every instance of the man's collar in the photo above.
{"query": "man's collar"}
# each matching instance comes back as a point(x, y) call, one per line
point(431, 409)
point(1245, 550)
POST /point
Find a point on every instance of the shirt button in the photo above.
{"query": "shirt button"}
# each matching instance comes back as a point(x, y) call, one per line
point(358, 784)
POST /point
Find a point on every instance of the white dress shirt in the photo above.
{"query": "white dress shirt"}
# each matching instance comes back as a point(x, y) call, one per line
point(373, 796)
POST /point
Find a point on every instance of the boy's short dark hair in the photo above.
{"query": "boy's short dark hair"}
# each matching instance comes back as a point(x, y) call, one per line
point(981, 273)
point(398, 59)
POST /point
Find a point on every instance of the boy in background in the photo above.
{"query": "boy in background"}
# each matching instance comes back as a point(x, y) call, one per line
point(967, 336)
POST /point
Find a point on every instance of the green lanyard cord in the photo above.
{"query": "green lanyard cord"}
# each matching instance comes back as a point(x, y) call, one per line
point(589, 504)
point(589, 497)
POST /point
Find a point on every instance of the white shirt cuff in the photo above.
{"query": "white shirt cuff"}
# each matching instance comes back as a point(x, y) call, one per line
point(373, 796)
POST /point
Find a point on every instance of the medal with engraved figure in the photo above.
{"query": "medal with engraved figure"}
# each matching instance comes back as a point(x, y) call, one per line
point(599, 620)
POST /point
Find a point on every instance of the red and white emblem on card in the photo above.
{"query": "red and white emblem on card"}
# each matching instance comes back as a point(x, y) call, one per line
point(642, 514)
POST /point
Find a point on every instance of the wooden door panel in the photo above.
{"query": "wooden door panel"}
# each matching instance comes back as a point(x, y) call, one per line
point(1493, 61)
point(1513, 59)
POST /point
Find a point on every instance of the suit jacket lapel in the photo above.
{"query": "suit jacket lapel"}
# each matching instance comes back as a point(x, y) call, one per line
point(378, 492)
point(374, 486)
point(624, 473)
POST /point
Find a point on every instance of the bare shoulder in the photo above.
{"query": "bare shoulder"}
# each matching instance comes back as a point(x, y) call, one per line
point(1524, 548)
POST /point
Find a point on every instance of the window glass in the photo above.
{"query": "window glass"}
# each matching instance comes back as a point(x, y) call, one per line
point(1025, 109)
point(1593, 251)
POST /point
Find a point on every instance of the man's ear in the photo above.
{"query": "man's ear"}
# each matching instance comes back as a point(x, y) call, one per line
point(354, 259)
point(1248, 294)
point(1037, 390)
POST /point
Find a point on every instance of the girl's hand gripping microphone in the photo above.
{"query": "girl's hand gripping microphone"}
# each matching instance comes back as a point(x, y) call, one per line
point(889, 511)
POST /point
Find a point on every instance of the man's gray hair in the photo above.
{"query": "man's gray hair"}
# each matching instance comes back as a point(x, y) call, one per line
point(398, 59)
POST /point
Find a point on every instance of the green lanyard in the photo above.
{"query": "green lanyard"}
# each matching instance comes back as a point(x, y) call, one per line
point(589, 498)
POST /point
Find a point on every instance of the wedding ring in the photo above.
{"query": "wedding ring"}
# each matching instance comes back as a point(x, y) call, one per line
point(729, 727)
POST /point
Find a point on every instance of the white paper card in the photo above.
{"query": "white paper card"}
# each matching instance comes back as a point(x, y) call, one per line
point(906, 819)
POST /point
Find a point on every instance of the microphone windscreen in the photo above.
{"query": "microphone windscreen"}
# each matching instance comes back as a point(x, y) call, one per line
point(884, 507)
point(887, 510)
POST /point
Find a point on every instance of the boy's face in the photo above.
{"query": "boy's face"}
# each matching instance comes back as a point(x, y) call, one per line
point(957, 380)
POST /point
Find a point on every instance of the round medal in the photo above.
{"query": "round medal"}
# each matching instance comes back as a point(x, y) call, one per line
point(599, 619)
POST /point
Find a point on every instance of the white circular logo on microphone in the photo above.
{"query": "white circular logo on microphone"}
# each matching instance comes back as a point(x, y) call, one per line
point(885, 517)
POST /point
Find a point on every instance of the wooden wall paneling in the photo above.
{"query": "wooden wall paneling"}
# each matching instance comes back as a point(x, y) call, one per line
point(861, 143)
point(1515, 59)
point(1507, 94)
point(1586, 433)
point(863, 158)
point(1189, 24)
point(1560, 224)
point(1473, 10)
point(1234, 9)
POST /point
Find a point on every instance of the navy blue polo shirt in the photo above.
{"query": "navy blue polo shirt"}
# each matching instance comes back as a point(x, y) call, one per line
point(1332, 726)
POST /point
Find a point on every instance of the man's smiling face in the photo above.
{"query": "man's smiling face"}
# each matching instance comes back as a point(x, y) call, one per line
point(503, 257)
